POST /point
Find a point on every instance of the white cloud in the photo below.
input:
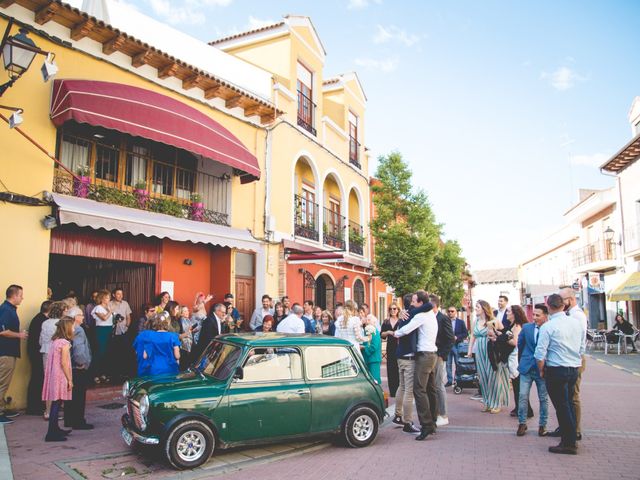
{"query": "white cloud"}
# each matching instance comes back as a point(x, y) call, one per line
point(563, 78)
point(593, 160)
point(254, 23)
point(360, 4)
point(188, 12)
point(390, 33)
point(385, 65)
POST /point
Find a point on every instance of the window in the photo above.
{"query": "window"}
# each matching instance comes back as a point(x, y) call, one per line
point(329, 362)
point(272, 364)
point(308, 208)
point(354, 145)
point(245, 264)
point(306, 107)
point(219, 360)
point(335, 221)
point(358, 292)
point(382, 306)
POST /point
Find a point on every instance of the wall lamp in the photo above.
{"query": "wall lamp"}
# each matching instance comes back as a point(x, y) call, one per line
point(609, 234)
point(18, 52)
point(49, 222)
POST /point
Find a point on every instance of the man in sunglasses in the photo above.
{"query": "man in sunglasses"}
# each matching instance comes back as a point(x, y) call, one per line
point(461, 333)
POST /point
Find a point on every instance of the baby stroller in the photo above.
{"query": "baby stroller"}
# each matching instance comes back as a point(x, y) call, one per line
point(466, 374)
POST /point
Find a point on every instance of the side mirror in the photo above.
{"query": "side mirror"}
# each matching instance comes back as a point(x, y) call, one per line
point(239, 374)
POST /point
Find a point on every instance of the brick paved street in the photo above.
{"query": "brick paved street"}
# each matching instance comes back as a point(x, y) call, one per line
point(475, 445)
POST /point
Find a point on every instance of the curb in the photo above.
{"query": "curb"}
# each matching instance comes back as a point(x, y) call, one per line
point(617, 367)
point(6, 472)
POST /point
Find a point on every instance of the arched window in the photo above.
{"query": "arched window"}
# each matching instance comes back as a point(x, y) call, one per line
point(324, 292)
point(358, 292)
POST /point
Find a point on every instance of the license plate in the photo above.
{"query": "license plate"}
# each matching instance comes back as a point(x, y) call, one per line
point(127, 437)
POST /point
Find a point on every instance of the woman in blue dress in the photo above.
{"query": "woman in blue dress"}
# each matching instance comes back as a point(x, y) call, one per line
point(494, 384)
point(157, 350)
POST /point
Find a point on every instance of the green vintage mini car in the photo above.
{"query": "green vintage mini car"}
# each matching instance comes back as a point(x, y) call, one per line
point(255, 388)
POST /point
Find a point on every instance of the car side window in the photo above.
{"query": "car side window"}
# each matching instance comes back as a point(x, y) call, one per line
point(272, 364)
point(329, 362)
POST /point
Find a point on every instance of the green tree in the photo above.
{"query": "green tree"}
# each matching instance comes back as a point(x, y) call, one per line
point(447, 273)
point(404, 228)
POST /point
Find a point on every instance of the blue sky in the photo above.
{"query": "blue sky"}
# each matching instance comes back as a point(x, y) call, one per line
point(502, 109)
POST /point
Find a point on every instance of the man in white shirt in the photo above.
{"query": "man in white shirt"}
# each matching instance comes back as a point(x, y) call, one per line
point(572, 309)
point(424, 387)
point(119, 306)
point(260, 312)
point(292, 323)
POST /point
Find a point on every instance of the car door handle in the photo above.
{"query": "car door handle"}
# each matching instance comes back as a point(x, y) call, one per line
point(302, 393)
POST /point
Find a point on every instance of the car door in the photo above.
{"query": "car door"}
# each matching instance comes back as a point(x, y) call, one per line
point(336, 383)
point(272, 399)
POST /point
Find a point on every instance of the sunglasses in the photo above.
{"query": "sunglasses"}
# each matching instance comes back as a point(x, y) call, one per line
point(453, 311)
point(393, 308)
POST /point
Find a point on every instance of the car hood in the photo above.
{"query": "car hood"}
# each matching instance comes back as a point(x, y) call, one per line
point(176, 386)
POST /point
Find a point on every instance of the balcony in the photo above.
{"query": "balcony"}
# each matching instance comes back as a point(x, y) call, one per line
point(356, 238)
point(306, 218)
point(333, 229)
point(306, 113)
point(601, 252)
point(195, 196)
point(354, 152)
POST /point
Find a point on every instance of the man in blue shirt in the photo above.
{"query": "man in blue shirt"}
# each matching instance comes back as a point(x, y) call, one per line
point(561, 344)
point(10, 336)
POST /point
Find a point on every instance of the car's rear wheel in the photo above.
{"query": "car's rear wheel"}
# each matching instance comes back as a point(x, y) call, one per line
point(189, 444)
point(361, 427)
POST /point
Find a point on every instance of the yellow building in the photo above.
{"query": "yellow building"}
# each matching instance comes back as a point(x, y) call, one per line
point(317, 196)
point(175, 165)
point(152, 178)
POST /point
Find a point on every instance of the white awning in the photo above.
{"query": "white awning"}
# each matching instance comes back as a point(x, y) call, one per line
point(89, 213)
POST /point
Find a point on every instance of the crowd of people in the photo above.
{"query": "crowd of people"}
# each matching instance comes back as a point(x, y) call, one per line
point(70, 346)
point(424, 346)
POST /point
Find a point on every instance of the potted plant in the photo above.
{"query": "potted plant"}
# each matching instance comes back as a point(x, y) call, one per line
point(82, 181)
point(197, 207)
point(141, 193)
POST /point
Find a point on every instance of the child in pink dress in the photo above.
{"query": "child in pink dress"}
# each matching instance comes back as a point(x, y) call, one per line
point(58, 382)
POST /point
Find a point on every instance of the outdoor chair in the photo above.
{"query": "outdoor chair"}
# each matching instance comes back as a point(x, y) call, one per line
point(595, 339)
point(613, 340)
point(633, 337)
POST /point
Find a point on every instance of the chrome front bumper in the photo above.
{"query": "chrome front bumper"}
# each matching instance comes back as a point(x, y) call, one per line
point(150, 440)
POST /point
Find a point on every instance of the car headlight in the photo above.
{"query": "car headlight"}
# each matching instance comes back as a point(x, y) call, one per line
point(125, 389)
point(144, 405)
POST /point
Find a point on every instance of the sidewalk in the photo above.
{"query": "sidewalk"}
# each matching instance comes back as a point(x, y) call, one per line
point(611, 429)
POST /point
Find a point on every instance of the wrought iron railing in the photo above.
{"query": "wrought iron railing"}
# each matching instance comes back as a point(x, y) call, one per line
point(333, 229)
point(305, 218)
point(598, 251)
point(356, 238)
point(200, 210)
point(354, 152)
point(306, 112)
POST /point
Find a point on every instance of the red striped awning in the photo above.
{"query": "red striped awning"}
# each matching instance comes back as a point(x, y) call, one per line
point(151, 115)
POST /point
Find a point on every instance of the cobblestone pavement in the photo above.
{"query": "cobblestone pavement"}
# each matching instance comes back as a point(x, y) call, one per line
point(474, 446)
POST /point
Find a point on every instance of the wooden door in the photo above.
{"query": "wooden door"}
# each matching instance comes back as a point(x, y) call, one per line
point(245, 297)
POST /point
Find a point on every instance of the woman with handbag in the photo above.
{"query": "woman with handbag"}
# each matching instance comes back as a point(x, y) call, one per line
point(517, 318)
point(493, 376)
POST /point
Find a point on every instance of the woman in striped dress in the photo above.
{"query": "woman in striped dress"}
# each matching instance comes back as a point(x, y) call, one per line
point(494, 384)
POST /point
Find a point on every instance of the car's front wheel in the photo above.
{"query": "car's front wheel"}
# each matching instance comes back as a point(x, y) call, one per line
point(189, 444)
point(361, 427)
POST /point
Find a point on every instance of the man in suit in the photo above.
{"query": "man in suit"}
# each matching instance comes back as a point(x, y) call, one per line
point(444, 341)
point(211, 327)
point(527, 341)
point(461, 333)
point(501, 312)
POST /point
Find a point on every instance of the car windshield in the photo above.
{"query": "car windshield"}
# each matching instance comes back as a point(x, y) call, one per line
point(218, 360)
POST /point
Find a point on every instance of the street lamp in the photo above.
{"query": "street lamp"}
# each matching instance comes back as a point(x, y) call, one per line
point(18, 52)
